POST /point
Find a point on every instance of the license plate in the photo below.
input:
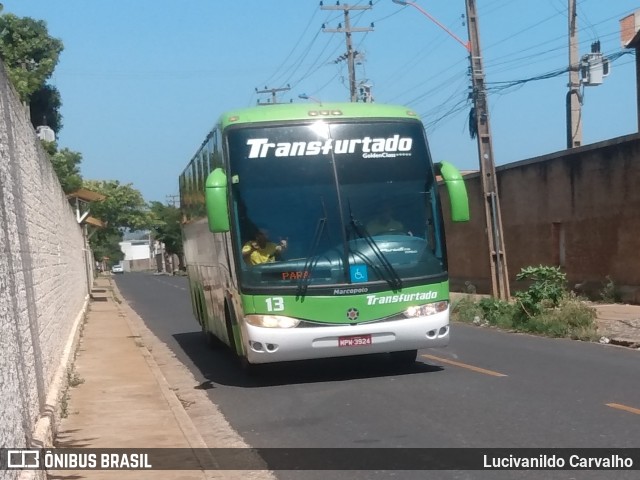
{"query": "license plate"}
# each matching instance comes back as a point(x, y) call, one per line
point(354, 341)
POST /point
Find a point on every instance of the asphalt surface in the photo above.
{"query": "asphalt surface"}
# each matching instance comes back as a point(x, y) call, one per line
point(487, 389)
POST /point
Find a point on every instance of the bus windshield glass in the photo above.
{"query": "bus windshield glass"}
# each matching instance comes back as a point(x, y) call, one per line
point(349, 205)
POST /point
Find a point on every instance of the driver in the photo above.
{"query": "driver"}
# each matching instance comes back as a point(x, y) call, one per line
point(384, 222)
point(261, 250)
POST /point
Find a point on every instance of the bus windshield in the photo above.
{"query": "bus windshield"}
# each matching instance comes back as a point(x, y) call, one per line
point(356, 203)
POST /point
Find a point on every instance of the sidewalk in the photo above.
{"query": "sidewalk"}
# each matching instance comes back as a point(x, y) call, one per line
point(118, 397)
point(619, 324)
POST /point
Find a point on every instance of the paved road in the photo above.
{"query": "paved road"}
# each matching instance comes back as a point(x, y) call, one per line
point(487, 389)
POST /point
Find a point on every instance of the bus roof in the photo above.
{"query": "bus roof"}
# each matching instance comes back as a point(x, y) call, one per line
point(306, 111)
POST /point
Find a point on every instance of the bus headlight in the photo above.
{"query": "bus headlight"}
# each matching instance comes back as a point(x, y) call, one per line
point(425, 310)
point(272, 321)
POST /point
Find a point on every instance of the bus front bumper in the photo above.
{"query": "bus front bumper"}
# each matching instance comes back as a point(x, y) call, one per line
point(266, 345)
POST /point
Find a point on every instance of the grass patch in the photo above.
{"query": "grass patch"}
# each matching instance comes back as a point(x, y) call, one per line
point(610, 292)
point(64, 405)
point(73, 379)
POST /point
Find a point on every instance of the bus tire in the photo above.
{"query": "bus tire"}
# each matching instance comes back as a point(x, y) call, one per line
point(199, 308)
point(229, 326)
point(404, 357)
point(249, 369)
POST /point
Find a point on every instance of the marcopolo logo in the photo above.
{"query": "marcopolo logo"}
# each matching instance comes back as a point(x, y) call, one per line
point(395, 146)
point(349, 291)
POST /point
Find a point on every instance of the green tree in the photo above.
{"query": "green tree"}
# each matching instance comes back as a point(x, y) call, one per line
point(28, 51)
point(66, 164)
point(105, 243)
point(124, 208)
point(45, 107)
point(165, 227)
point(31, 55)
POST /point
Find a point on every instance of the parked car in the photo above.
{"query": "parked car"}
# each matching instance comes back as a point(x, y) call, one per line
point(117, 269)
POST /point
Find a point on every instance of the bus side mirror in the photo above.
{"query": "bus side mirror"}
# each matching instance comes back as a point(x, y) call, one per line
point(457, 191)
point(215, 195)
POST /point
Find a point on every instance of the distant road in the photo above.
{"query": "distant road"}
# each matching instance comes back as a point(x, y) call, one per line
point(487, 389)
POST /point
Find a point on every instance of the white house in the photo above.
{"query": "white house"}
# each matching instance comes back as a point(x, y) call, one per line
point(138, 251)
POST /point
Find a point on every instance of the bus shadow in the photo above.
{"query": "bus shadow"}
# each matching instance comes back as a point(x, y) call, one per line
point(220, 366)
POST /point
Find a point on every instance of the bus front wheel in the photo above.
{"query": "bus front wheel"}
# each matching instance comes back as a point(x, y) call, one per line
point(250, 369)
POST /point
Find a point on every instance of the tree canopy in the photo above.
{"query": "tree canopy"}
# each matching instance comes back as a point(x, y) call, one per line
point(28, 51)
point(66, 164)
point(165, 227)
point(124, 208)
point(45, 107)
point(31, 55)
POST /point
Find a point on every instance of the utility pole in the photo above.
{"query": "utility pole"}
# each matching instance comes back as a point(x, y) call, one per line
point(273, 92)
point(172, 200)
point(574, 98)
point(365, 92)
point(493, 219)
point(348, 30)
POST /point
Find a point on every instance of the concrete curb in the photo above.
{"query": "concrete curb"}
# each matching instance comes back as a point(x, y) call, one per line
point(191, 433)
point(46, 425)
point(181, 388)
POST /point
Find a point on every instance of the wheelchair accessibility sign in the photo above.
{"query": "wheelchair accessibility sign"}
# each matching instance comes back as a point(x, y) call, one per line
point(358, 273)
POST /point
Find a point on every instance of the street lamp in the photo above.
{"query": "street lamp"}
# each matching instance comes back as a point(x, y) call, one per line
point(304, 96)
point(466, 45)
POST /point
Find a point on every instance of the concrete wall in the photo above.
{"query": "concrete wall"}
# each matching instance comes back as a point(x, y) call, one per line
point(44, 278)
point(579, 209)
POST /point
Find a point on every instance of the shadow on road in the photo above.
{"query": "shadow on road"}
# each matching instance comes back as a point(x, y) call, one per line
point(221, 366)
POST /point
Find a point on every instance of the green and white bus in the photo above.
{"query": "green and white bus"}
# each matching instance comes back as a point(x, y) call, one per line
point(316, 176)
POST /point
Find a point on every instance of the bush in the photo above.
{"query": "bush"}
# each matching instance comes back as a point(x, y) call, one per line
point(571, 318)
point(610, 292)
point(548, 287)
point(466, 310)
point(498, 312)
point(545, 308)
point(488, 310)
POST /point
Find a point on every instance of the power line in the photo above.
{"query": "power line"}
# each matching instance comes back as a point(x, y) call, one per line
point(296, 44)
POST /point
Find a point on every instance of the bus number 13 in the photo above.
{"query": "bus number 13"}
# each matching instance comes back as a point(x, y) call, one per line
point(275, 304)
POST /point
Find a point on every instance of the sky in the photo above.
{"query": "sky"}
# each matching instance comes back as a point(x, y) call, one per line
point(142, 82)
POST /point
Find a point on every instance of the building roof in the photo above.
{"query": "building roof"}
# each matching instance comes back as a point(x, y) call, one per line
point(94, 221)
point(87, 195)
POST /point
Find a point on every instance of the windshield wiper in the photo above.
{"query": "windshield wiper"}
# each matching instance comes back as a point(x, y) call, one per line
point(392, 277)
point(311, 261)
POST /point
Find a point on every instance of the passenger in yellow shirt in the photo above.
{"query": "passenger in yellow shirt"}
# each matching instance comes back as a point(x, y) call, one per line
point(261, 250)
point(384, 223)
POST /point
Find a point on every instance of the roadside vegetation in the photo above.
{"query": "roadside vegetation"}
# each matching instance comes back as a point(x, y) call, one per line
point(545, 307)
point(610, 292)
point(30, 55)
